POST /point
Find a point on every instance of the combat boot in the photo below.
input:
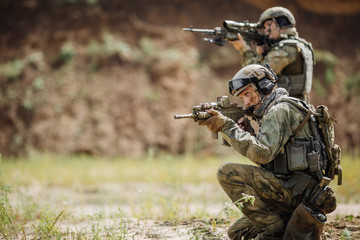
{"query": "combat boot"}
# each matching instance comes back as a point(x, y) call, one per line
point(242, 229)
point(305, 224)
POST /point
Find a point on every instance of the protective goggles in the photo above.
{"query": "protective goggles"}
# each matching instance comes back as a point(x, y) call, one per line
point(236, 86)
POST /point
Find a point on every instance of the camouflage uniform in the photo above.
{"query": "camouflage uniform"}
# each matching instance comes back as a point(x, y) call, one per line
point(292, 60)
point(274, 202)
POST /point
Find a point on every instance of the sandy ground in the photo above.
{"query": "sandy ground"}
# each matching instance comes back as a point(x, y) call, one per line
point(83, 204)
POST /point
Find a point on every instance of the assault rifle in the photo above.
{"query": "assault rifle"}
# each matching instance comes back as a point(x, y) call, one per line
point(249, 31)
point(223, 105)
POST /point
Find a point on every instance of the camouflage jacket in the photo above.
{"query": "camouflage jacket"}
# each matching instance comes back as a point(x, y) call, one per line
point(278, 121)
point(291, 58)
point(277, 57)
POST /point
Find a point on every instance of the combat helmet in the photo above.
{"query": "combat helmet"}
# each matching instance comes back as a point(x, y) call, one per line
point(281, 15)
point(262, 77)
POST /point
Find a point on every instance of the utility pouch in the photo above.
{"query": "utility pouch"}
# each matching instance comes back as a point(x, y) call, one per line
point(298, 183)
point(314, 161)
point(296, 156)
point(336, 154)
point(280, 164)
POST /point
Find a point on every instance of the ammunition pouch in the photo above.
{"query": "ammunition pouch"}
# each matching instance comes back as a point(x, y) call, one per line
point(300, 155)
point(296, 156)
point(305, 155)
point(301, 165)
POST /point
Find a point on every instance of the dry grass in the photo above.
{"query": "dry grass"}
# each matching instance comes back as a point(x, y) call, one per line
point(96, 194)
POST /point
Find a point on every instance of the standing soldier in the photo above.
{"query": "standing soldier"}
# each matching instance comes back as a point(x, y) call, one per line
point(288, 183)
point(291, 57)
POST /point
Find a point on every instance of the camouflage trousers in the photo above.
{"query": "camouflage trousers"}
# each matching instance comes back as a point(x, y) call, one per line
point(273, 204)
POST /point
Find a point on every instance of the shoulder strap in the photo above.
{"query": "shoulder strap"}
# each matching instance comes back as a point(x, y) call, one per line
point(303, 107)
point(308, 115)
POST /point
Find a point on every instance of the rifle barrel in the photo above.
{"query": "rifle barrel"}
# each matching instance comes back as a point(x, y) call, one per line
point(190, 115)
point(205, 31)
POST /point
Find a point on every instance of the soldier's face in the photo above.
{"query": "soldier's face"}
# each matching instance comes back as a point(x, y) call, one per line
point(271, 30)
point(250, 97)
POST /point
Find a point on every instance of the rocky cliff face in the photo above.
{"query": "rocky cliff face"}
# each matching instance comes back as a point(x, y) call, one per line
point(106, 77)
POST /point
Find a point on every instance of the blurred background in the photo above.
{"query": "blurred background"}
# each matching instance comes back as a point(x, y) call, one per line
point(105, 77)
point(88, 91)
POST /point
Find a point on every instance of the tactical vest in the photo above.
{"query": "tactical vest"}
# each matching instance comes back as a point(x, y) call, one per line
point(308, 166)
point(298, 155)
point(297, 77)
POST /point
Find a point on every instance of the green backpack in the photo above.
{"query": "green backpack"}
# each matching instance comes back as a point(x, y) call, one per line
point(333, 151)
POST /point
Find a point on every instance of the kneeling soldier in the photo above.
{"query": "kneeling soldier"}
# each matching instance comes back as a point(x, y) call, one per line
point(288, 183)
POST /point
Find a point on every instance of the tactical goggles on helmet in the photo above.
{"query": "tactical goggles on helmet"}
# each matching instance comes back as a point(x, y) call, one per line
point(237, 85)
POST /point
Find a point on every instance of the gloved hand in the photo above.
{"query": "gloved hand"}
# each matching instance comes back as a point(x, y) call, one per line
point(214, 123)
point(239, 44)
point(245, 125)
point(240, 123)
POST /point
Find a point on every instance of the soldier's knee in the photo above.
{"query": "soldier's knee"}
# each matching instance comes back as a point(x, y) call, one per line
point(224, 166)
point(230, 170)
point(224, 170)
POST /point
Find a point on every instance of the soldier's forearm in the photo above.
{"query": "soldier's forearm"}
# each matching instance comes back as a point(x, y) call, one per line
point(248, 56)
point(246, 144)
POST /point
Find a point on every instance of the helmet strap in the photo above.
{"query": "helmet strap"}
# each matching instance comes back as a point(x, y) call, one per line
point(260, 101)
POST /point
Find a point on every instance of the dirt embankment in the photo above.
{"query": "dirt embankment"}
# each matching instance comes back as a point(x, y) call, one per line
point(106, 77)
